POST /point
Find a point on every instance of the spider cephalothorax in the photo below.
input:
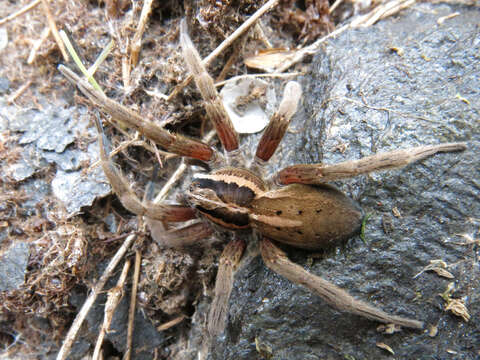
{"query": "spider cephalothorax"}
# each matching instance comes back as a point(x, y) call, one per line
point(302, 211)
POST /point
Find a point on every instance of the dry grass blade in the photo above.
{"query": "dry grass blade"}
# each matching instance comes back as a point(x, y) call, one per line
point(114, 296)
point(133, 302)
point(54, 30)
point(380, 12)
point(20, 12)
point(37, 44)
point(137, 38)
point(77, 323)
point(226, 43)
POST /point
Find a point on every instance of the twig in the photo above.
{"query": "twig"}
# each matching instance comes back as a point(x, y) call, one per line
point(19, 92)
point(77, 323)
point(310, 49)
point(54, 30)
point(20, 12)
point(227, 42)
point(169, 184)
point(334, 6)
point(114, 296)
point(260, 35)
point(137, 38)
point(254, 76)
point(380, 12)
point(37, 44)
point(235, 54)
point(178, 173)
point(133, 303)
point(171, 323)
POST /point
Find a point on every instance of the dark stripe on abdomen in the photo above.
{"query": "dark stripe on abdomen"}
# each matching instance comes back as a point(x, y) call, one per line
point(226, 217)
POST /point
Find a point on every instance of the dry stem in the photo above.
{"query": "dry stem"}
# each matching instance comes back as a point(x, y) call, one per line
point(20, 12)
point(380, 12)
point(114, 296)
point(133, 303)
point(171, 323)
point(227, 42)
point(19, 92)
point(37, 44)
point(77, 323)
point(54, 30)
point(178, 173)
point(137, 38)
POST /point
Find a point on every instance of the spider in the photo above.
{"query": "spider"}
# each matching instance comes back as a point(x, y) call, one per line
point(296, 207)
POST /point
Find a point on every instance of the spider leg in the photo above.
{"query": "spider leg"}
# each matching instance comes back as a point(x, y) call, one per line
point(177, 238)
point(278, 124)
point(228, 263)
point(121, 187)
point(338, 298)
point(171, 142)
point(213, 102)
point(320, 173)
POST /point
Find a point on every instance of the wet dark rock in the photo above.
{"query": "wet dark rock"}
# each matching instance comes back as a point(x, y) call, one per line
point(146, 338)
point(363, 98)
point(4, 84)
point(48, 137)
point(13, 265)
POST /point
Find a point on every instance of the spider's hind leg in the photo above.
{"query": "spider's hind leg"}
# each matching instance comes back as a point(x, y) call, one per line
point(227, 265)
point(336, 297)
point(121, 187)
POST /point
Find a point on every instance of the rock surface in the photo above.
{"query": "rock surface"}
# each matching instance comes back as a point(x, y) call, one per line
point(405, 81)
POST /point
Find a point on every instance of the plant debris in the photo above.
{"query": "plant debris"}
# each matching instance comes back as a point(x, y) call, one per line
point(58, 226)
point(455, 306)
point(438, 266)
point(385, 347)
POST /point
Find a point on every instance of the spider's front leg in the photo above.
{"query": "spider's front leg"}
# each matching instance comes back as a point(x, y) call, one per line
point(174, 143)
point(121, 187)
point(316, 174)
point(279, 122)
point(213, 102)
point(277, 261)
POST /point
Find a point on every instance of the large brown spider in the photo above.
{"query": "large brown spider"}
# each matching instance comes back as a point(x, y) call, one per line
point(296, 207)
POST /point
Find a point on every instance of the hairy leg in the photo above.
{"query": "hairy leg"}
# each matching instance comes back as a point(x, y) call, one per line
point(228, 263)
point(177, 238)
point(320, 173)
point(213, 102)
point(278, 124)
point(277, 260)
point(121, 187)
point(174, 143)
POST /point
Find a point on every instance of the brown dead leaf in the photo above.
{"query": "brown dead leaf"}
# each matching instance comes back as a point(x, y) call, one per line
point(269, 60)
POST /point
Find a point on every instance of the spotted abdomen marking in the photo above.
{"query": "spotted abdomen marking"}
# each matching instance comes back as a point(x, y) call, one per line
point(305, 216)
point(224, 196)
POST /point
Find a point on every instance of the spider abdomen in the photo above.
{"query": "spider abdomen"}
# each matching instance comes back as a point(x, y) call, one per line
point(305, 216)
